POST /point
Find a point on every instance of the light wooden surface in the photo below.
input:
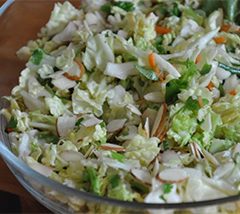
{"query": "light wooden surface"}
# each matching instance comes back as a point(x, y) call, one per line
point(20, 23)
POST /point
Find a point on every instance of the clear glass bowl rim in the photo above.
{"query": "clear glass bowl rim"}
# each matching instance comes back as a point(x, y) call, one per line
point(14, 161)
point(17, 163)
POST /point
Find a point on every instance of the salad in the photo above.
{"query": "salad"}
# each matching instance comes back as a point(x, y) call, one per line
point(133, 100)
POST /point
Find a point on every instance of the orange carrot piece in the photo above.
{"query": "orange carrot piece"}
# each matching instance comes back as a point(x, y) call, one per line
point(151, 60)
point(233, 92)
point(220, 40)
point(70, 77)
point(210, 86)
point(162, 30)
point(198, 59)
point(75, 77)
point(81, 67)
point(159, 74)
point(225, 27)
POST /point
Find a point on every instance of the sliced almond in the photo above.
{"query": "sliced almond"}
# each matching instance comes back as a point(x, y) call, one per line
point(134, 109)
point(151, 115)
point(172, 175)
point(116, 125)
point(155, 96)
point(142, 175)
point(157, 120)
point(196, 151)
point(112, 147)
point(90, 120)
point(147, 127)
point(160, 125)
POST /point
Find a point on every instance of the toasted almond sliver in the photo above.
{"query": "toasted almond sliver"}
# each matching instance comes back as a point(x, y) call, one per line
point(196, 150)
point(116, 125)
point(112, 147)
point(157, 120)
point(142, 175)
point(161, 123)
point(147, 127)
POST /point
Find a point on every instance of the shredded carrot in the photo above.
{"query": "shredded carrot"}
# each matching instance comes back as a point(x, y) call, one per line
point(152, 63)
point(162, 30)
point(81, 67)
point(70, 77)
point(233, 92)
point(75, 77)
point(159, 74)
point(151, 60)
point(210, 86)
point(198, 59)
point(220, 40)
point(225, 27)
point(200, 102)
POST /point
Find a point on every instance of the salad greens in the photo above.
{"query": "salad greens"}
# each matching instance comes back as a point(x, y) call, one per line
point(133, 100)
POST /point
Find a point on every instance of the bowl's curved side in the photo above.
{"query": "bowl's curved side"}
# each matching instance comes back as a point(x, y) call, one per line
point(59, 198)
point(5, 6)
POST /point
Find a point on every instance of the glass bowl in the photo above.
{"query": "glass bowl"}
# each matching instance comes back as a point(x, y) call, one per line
point(16, 30)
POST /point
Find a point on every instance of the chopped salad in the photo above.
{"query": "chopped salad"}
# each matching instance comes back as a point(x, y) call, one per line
point(133, 100)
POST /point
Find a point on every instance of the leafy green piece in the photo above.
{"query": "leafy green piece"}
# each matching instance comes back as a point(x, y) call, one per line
point(193, 105)
point(37, 56)
point(189, 13)
point(142, 149)
point(167, 188)
point(174, 87)
point(140, 187)
point(127, 6)
point(79, 121)
point(44, 82)
point(121, 191)
point(148, 73)
point(12, 124)
point(114, 180)
point(205, 69)
point(183, 125)
point(91, 175)
point(118, 156)
point(175, 11)
point(165, 145)
point(106, 8)
point(221, 89)
point(48, 137)
point(159, 46)
point(228, 132)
